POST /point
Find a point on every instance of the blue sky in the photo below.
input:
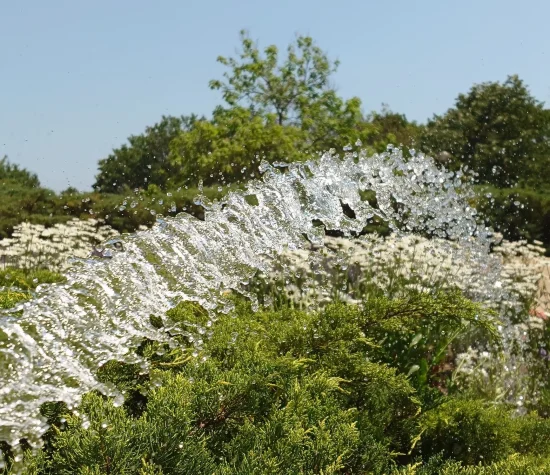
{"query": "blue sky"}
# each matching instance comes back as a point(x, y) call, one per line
point(78, 77)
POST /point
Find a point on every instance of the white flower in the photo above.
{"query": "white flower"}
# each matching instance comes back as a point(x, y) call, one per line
point(37, 246)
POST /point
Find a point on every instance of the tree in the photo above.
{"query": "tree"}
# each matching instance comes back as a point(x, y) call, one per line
point(499, 130)
point(297, 92)
point(391, 127)
point(144, 160)
point(264, 86)
point(332, 122)
point(10, 172)
point(229, 147)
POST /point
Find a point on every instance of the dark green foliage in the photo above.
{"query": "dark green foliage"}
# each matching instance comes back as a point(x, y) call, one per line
point(126, 212)
point(145, 160)
point(41, 206)
point(517, 213)
point(499, 130)
point(513, 465)
point(11, 174)
point(474, 432)
point(469, 431)
point(20, 202)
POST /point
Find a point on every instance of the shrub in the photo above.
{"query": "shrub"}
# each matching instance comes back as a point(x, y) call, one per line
point(473, 431)
point(468, 431)
point(27, 280)
point(281, 391)
point(9, 298)
point(513, 465)
point(16, 284)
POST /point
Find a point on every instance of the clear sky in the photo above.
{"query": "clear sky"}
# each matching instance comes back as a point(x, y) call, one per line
point(77, 77)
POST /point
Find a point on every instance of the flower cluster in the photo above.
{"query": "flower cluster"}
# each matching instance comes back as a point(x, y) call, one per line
point(514, 273)
point(527, 271)
point(34, 246)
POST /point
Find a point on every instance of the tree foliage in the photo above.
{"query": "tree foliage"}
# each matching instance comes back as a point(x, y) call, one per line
point(296, 90)
point(229, 147)
point(277, 110)
point(499, 130)
point(11, 173)
point(265, 86)
point(144, 160)
point(390, 127)
point(517, 213)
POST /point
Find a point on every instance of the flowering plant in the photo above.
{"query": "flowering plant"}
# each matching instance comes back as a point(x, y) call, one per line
point(34, 246)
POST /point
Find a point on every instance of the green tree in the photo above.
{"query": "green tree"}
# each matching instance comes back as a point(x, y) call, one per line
point(297, 91)
point(265, 87)
point(229, 147)
point(332, 122)
point(144, 160)
point(12, 173)
point(22, 198)
point(391, 127)
point(498, 129)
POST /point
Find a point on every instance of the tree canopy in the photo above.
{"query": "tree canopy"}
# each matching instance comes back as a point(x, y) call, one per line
point(144, 160)
point(273, 110)
point(296, 90)
point(264, 86)
point(10, 172)
point(281, 105)
point(498, 129)
point(229, 147)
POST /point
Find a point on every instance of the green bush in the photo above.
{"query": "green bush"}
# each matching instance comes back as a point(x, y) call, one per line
point(285, 391)
point(476, 432)
point(125, 212)
point(16, 284)
point(10, 298)
point(513, 465)
point(468, 431)
point(28, 279)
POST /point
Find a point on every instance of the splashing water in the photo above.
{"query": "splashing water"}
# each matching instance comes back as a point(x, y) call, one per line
point(51, 347)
